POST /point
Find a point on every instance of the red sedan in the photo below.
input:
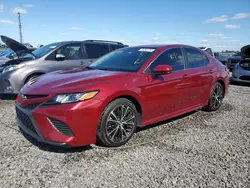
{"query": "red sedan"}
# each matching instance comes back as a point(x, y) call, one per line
point(125, 89)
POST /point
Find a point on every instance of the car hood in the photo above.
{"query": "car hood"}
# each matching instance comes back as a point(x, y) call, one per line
point(245, 52)
point(234, 57)
point(12, 44)
point(222, 58)
point(67, 81)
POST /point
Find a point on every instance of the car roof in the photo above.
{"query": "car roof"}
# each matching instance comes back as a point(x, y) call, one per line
point(95, 41)
point(164, 46)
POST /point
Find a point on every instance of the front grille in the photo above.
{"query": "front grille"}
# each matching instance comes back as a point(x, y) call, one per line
point(245, 78)
point(24, 118)
point(34, 96)
point(32, 106)
point(233, 61)
point(61, 127)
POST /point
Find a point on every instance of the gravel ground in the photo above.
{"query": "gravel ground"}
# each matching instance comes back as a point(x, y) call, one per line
point(196, 150)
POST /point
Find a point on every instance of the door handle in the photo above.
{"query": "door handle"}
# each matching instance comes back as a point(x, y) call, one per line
point(185, 76)
point(211, 71)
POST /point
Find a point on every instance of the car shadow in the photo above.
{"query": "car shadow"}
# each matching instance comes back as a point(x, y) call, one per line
point(54, 149)
point(239, 84)
point(62, 149)
point(164, 122)
point(8, 97)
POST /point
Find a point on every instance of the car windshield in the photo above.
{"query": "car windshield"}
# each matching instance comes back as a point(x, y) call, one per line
point(125, 59)
point(7, 53)
point(44, 50)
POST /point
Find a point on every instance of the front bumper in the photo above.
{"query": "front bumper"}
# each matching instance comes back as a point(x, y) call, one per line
point(240, 75)
point(80, 118)
point(7, 85)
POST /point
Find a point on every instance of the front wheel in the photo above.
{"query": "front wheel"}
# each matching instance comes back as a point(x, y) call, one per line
point(117, 123)
point(32, 77)
point(216, 98)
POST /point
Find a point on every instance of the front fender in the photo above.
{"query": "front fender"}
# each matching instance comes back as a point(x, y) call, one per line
point(119, 94)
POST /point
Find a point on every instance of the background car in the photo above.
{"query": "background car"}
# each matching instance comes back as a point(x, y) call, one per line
point(208, 50)
point(233, 60)
point(16, 54)
point(52, 57)
point(127, 88)
point(241, 71)
point(223, 59)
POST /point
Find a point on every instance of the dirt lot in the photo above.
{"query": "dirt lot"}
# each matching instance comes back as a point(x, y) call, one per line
point(199, 149)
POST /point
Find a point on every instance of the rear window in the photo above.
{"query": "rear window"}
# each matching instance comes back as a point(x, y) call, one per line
point(115, 47)
point(196, 58)
point(95, 51)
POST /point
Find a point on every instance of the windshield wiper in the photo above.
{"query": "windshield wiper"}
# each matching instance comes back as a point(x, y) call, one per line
point(88, 67)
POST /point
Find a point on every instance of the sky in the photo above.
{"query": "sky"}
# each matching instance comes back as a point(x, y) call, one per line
point(221, 24)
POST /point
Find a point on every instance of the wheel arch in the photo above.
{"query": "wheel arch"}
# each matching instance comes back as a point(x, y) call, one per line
point(131, 96)
point(223, 84)
point(32, 74)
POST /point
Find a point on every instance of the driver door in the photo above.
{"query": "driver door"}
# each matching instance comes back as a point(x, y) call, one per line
point(166, 94)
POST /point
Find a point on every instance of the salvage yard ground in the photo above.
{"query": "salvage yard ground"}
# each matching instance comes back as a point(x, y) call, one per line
point(198, 149)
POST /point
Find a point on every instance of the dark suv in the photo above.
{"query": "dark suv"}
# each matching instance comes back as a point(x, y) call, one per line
point(52, 57)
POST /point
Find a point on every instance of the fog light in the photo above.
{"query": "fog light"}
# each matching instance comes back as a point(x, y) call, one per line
point(8, 89)
point(5, 86)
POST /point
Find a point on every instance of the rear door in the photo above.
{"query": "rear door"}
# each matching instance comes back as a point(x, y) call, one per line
point(95, 50)
point(200, 71)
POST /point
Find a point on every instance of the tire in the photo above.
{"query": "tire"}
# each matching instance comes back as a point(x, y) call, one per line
point(216, 98)
point(32, 77)
point(117, 123)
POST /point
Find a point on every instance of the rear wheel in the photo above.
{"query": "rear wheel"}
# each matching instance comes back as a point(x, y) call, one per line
point(216, 98)
point(117, 123)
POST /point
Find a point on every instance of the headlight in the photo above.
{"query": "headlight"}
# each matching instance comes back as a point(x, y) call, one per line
point(73, 97)
point(13, 67)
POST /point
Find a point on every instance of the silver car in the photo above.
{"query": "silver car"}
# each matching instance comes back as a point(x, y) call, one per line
point(52, 57)
point(241, 71)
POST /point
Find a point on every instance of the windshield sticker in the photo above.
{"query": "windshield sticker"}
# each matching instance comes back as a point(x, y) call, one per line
point(146, 50)
point(52, 46)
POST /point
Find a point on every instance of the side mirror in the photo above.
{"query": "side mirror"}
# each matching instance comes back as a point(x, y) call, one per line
point(60, 57)
point(162, 69)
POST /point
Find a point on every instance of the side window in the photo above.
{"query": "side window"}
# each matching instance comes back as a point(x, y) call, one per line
point(95, 51)
point(71, 51)
point(172, 57)
point(196, 58)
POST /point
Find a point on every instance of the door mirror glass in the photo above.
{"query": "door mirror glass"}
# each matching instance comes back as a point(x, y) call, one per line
point(60, 57)
point(162, 69)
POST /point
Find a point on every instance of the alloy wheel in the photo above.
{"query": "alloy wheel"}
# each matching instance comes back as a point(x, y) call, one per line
point(120, 123)
point(217, 96)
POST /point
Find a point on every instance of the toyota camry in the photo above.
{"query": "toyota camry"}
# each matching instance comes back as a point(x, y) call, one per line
point(131, 87)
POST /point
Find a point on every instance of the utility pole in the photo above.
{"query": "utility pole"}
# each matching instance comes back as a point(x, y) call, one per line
point(20, 27)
